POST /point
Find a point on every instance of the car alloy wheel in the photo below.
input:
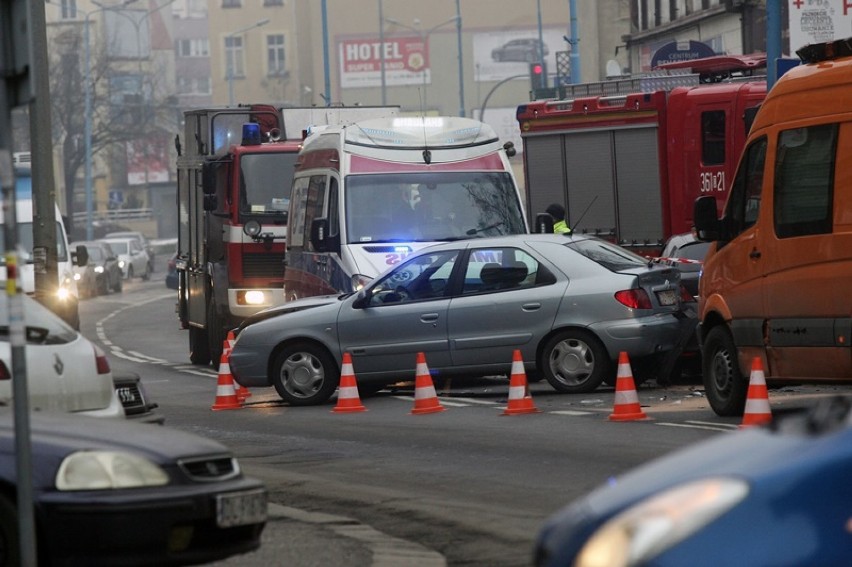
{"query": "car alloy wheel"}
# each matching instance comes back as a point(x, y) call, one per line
point(305, 374)
point(574, 362)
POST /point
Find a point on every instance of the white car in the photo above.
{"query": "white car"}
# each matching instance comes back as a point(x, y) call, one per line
point(132, 257)
point(65, 371)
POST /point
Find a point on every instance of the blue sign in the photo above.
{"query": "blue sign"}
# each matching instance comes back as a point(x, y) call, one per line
point(681, 51)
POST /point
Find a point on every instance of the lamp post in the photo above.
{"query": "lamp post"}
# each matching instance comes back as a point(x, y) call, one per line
point(424, 38)
point(382, 53)
point(232, 61)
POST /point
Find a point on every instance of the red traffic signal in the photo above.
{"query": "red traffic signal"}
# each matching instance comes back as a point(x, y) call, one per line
point(538, 76)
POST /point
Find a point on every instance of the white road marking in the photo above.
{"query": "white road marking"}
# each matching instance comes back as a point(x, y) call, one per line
point(693, 426)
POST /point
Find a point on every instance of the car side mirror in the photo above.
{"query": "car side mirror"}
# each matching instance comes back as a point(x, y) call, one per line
point(707, 224)
point(80, 257)
point(362, 301)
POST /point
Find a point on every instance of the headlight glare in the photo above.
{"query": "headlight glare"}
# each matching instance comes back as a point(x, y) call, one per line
point(655, 524)
point(107, 470)
point(99, 269)
point(360, 281)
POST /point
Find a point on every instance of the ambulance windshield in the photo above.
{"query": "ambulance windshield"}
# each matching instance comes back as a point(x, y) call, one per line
point(439, 206)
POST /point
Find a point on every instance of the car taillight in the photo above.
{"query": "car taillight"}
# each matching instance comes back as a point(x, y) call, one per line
point(4, 372)
point(685, 296)
point(101, 362)
point(634, 298)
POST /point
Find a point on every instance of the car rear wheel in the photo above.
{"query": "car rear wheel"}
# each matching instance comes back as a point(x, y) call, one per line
point(9, 550)
point(575, 362)
point(304, 374)
point(724, 384)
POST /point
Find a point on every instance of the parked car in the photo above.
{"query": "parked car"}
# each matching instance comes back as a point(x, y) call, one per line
point(132, 257)
point(132, 395)
point(130, 494)
point(569, 303)
point(694, 507)
point(65, 371)
point(686, 253)
point(105, 263)
point(171, 272)
point(141, 239)
point(525, 50)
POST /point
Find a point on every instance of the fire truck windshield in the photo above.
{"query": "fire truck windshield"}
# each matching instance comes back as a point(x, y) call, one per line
point(265, 183)
point(431, 206)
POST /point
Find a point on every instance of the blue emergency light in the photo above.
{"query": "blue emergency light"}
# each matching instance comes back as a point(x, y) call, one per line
point(251, 134)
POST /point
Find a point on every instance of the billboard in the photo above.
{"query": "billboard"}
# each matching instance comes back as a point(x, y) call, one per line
point(817, 21)
point(148, 160)
point(498, 55)
point(406, 61)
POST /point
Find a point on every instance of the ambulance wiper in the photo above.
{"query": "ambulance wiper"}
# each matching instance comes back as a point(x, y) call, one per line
point(473, 231)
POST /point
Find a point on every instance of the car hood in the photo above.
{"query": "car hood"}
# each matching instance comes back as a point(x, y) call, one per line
point(292, 307)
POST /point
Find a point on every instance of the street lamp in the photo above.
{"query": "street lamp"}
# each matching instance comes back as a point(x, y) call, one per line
point(232, 61)
point(424, 38)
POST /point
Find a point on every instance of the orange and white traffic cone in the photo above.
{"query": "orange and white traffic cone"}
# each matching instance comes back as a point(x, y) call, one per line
point(425, 398)
point(348, 400)
point(757, 411)
point(626, 406)
point(520, 400)
point(226, 395)
point(242, 391)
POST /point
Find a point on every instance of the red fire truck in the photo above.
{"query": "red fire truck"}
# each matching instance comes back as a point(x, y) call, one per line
point(235, 168)
point(628, 157)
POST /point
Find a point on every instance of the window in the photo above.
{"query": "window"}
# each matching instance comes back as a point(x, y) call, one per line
point(713, 137)
point(804, 181)
point(500, 269)
point(314, 206)
point(192, 47)
point(273, 2)
point(234, 57)
point(275, 62)
point(744, 203)
point(232, 3)
point(69, 9)
point(425, 277)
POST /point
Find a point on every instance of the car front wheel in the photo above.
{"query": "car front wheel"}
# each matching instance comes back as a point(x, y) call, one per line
point(304, 374)
point(575, 362)
point(724, 384)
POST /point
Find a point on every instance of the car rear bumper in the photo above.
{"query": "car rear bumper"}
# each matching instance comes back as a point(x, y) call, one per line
point(645, 336)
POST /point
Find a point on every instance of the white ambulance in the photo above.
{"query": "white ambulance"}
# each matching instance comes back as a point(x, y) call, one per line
point(368, 194)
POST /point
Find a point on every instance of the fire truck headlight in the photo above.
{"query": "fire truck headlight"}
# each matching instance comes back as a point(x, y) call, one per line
point(251, 297)
point(63, 293)
point(252, 228)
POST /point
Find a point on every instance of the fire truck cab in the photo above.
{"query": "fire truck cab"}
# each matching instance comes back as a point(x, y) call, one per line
point(234, 175)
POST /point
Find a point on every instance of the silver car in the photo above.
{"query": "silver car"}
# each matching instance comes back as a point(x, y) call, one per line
point(570, 304)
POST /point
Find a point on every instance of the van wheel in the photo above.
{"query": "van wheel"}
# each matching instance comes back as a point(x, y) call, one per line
point(199, 349)
point(304, 374)
point(724, 384)
point(574, 362)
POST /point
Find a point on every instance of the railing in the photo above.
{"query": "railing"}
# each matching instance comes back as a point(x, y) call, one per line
point(115, 215)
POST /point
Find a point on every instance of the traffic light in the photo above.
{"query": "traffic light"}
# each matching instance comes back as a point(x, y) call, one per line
point(538, 76)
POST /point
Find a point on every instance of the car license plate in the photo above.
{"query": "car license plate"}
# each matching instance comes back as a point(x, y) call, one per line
point(240, 508)
point(667, 297)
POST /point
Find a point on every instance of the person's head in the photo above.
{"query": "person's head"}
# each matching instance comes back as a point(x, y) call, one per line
point(557, 211)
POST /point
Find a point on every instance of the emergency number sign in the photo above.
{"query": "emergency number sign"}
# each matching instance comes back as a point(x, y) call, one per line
point(406, 62)
point(817, 21)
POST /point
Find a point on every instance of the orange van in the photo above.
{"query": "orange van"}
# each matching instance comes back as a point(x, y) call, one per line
point(777, 282)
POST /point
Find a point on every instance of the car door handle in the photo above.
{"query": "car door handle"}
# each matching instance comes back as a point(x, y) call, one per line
point(754, 254)
point(531, 306)
point(429, 317)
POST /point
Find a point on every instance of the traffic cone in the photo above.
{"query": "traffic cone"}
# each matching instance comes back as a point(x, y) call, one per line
point(757, 410)
point(348, 400)
point(226, 395)
point(242, 391)
point(626, 400)
point(520, 400)
point(425, 398)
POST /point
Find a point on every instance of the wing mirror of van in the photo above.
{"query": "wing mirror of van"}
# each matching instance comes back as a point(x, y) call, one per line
point(707, 225)
point(544, 223)
point(80, 257)
point(321, 240)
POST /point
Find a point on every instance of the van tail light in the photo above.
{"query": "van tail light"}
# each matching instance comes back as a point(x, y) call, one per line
point(634, 298)
point(685, 296)
point(101, 362)
point(4, 372)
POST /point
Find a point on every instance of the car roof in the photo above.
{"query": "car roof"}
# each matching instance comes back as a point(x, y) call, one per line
point(511, 240)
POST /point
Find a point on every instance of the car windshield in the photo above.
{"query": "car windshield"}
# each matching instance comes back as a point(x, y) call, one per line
point(95, 253)
point(25, 241)
point(265, 183)
point(119, 247)
point(42, 325)
point(610, 256)
point(431, 206)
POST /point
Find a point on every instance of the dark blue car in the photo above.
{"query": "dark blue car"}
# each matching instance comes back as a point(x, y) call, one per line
point(770, 496)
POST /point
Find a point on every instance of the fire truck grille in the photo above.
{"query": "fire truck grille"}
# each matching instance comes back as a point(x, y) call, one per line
point(263, 265)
